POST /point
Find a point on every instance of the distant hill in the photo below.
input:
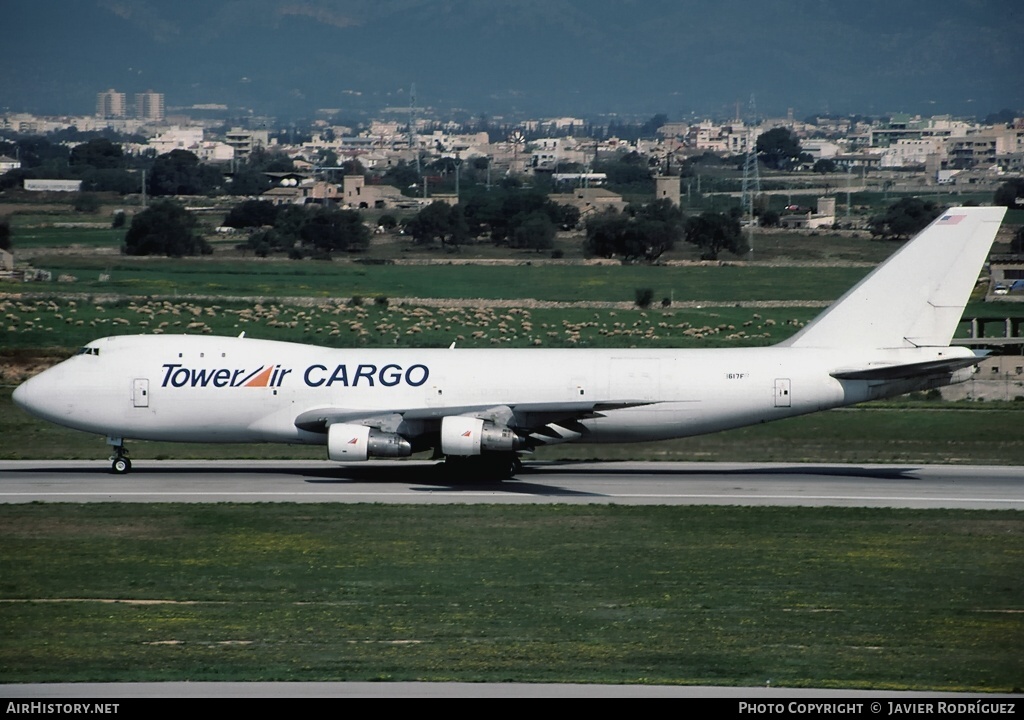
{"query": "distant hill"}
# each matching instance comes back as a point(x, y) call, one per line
point(538, 57)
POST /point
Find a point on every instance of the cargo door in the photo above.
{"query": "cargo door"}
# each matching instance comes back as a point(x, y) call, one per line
point(140, 392)
point(782, 392)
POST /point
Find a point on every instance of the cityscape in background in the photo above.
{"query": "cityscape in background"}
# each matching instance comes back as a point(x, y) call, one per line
point(942, 148)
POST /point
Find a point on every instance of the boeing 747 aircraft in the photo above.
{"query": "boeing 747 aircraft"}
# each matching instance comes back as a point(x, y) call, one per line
point(480, 409)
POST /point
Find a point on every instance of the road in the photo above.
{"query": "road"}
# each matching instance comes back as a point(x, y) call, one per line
point(632, 483)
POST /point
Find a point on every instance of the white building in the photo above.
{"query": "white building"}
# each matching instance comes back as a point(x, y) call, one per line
point(907, 152)
point(177, 138)
point(53, 185)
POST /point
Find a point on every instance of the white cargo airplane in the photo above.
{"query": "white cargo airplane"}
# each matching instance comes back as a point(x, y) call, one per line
point(887, 336)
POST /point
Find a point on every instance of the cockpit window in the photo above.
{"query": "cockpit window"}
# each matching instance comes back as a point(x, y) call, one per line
point(88, 351)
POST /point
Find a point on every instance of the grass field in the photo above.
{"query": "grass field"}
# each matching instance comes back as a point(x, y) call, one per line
point(284, 278)
point(70, 324)
point(843, 598)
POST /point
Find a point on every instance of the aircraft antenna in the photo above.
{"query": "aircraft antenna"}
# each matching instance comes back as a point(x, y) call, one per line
point(751, 176)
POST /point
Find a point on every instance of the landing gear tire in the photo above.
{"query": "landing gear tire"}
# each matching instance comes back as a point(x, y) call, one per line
point(119, 462)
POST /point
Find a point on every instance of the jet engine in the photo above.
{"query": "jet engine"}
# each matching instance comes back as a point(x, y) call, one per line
point(356, 443)
point(464, 436)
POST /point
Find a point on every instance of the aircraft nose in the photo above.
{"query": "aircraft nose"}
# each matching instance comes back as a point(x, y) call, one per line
point(22, 395)
point(33, 396)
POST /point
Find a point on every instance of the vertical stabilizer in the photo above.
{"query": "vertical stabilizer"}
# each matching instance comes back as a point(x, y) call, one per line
point(917, 297)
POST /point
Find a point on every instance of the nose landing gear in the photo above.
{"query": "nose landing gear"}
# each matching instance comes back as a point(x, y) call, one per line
point(119, 462)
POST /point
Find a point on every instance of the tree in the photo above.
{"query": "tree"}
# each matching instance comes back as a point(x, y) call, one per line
point(715, 232)
point(404, 177)
point(99, 153)
point(535, 232)
point(252, 213)
point(660, 224)
point(165, 228)
point(825, 165)
point(626, 171)
point(1016, 244)
point(643, 297)
point(779, 149)
point(86, 203)
point(650, 128)
point(641, 233)
point(5, 235)
point(352, 167)
point(119, 181)
point(264, 242)
point(1009, 193)
point(329, 229)
point(434, 222)
point(568, 216)
point(904, 218)
point(248, 182)
point(180, 173)
point(770, 218)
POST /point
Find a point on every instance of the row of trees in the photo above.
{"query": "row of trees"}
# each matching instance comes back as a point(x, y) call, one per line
point(299, 229)
point(904, 219)
point(166, 228)
point(519, 220)
point(647, 232)
point(522, 219)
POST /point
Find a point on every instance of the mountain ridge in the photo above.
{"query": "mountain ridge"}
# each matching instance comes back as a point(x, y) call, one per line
point(536, 57)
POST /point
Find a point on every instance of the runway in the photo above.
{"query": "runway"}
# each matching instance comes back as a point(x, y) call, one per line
point(628, 483)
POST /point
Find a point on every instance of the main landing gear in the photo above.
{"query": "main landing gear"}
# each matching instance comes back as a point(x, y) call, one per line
point(119, 462)
point(489, 467)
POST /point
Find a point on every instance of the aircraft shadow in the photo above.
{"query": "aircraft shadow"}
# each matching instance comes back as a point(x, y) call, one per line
point(611, 470)
point(437, 476)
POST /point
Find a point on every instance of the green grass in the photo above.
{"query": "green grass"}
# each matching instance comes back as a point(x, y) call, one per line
point(61, 237)
point(70, 324)
point(846, 598)
point(282, 278)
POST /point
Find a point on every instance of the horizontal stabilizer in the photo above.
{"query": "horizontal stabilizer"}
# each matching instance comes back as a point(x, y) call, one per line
point(907, 371)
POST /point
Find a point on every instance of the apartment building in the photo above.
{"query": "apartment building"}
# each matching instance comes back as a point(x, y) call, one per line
point(149, 106)
point(111, 104)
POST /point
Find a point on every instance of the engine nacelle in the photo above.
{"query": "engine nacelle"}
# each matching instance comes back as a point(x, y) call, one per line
point(356, 443)
point(464, 436)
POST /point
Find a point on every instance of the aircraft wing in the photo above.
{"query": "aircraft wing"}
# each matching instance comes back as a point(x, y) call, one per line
point(518, 416)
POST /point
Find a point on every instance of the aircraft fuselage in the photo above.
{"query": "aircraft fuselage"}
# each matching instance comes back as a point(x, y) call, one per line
point(217, 389)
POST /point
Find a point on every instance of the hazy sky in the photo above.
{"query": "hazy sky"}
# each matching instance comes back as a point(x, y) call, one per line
point(534, 57)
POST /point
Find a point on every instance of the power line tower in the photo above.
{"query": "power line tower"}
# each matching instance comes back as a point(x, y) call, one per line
point(751, 176)
point(413, 145)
